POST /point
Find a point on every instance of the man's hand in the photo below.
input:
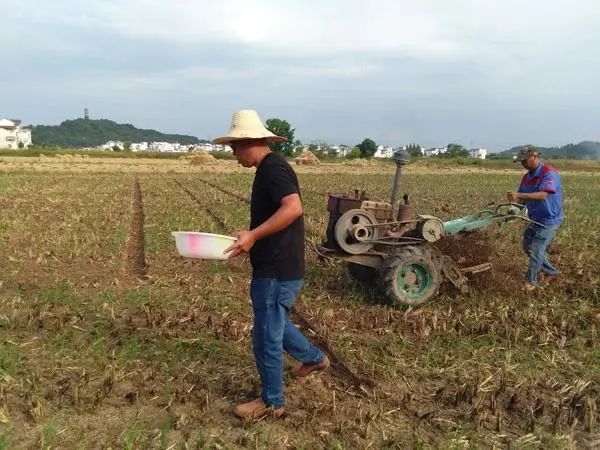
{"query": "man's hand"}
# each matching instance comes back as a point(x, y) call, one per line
point(527, 196)
point(245, 241)
point(290, 210)
point(512, 196)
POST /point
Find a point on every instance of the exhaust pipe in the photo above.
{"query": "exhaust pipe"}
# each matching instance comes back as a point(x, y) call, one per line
point(401, 158)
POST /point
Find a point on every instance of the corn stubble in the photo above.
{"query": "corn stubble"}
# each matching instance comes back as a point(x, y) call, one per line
point(105, 328)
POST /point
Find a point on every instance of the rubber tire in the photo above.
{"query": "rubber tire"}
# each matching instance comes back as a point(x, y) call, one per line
point(423, 256)
point(363, 274)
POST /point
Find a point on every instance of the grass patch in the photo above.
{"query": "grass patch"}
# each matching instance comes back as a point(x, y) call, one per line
point(98, 346)
point(198, 348)
point(11, 363)
point(130, 348)
point(132, 437)
point(116, 242)
point(64, 344)
point(60, 294)
point(143, 297)
point(4, 439)
point(49, 434)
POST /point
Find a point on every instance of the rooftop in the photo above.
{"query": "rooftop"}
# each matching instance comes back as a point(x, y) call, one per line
point(5, 123)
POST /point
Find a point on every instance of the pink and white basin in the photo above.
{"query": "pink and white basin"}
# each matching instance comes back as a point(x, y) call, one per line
point(193, 244)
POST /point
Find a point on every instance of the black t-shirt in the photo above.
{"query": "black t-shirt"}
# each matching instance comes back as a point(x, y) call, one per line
point(280, 255)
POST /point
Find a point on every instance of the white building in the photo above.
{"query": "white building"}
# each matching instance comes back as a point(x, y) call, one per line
point(13, 135)
point(208, 147)
point(478, 153)
point(164, 147)
point(110, 145)
point(222, 148)
point(436, 151)
point(341, 150)
point(384, 152)
point(139, 147)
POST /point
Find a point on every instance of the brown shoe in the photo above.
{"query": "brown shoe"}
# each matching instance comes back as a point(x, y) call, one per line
point(548, 279)
point(529, 287)
point(256, 409)
point(302, 370)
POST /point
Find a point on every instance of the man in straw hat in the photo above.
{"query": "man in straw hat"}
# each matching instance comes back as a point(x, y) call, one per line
point(541, 192)
point(275, 242)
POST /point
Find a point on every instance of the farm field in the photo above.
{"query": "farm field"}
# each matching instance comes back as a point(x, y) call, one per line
point(97, 351)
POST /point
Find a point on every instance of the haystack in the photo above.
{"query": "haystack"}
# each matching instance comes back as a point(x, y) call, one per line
point(307, 158)
point(198, 157)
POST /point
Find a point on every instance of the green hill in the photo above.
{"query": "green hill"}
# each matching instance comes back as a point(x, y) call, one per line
point(583, 150)
point(92, 133)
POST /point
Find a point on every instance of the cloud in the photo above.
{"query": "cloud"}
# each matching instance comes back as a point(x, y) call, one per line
point(430, 70)
point(317, 28)
point(424, 29)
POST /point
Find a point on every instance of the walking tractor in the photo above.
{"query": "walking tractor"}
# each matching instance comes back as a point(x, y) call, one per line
point(388, 244)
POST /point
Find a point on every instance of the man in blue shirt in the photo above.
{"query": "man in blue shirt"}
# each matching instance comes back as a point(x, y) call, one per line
point(541, 192)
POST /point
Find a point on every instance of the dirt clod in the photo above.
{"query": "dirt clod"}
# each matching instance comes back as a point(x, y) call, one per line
point(479, 247)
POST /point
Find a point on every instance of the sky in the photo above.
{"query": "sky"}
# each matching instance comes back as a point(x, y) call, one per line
point(490, 74)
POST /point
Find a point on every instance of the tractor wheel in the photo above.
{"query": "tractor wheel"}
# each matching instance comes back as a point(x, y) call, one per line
point(411, 275)
point(363, 274)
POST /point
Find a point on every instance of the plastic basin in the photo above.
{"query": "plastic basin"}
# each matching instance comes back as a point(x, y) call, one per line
point(192, 244)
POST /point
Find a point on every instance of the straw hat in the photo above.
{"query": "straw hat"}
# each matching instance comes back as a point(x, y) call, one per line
point(246, 124)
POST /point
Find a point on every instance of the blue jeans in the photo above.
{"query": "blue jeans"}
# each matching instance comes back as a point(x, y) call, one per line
point(536, 240)
point(273, 332)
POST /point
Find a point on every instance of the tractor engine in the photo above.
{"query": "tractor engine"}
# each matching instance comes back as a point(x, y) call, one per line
point(351, 220)
point(357, 223)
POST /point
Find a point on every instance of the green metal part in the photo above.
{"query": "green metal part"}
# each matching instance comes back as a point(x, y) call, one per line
point(469, 223)
point(413, 280)
point(484, 218)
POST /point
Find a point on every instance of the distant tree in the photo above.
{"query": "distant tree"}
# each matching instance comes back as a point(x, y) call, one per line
point(498, 156)
point(298, 147)
point(116, 148)
point(455, 151)
point(583, 150)
point(94, 132)
point(127, 146)
point(21, 145)
point(414, 150)
point(284, 129)
point(354, 153)
point(367, 148)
